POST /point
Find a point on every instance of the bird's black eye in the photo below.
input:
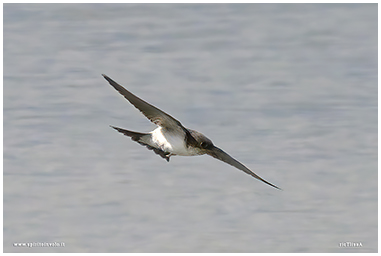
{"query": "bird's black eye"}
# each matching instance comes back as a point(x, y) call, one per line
point(204, 144)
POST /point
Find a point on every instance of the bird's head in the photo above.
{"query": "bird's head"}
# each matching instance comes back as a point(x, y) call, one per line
point(202, 141)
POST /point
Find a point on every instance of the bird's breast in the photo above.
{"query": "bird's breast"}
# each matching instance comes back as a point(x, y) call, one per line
point(173, 141)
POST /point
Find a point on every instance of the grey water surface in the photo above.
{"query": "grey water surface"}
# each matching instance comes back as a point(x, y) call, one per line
point(290, 90)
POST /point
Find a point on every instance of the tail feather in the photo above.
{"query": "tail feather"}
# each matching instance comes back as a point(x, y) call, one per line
point(135, 136)
point(144, 139)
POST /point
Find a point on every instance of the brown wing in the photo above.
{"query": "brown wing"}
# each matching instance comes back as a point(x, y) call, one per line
point(154, 114)
point(223, 156)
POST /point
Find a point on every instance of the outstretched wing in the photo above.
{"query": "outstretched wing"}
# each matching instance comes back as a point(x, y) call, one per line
point(223, 156)
point(155, 115)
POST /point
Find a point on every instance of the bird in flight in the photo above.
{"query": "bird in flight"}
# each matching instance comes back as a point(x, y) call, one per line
point(171, 138)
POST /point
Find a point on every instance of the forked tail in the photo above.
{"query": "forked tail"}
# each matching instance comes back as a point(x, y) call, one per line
point(145, 140)
point(135, 136)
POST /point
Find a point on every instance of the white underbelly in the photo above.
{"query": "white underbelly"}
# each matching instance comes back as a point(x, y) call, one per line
point(172, 142)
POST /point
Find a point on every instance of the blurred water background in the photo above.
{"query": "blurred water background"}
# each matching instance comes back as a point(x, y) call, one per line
point(290, 90)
